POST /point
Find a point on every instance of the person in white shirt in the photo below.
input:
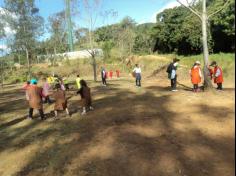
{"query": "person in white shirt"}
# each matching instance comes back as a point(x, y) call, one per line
point(137, 72)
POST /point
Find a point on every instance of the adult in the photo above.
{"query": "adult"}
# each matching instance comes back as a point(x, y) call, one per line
point(172, 73)
point(35, 99)
point(196, 75)
point(137, 73)
point(217, 75)
point(103, 76)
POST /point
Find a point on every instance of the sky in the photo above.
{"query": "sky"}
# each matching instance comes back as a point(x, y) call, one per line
point(141, 11)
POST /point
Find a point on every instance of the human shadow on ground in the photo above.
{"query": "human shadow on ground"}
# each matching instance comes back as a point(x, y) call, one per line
point(128, 134)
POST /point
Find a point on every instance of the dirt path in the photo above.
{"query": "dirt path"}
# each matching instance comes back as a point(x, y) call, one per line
point(146, 131)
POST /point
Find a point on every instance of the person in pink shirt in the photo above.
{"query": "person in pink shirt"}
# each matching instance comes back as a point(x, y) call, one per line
point(46, 90)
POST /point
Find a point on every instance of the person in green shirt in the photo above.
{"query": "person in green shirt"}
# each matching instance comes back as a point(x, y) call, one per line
point(66, 83)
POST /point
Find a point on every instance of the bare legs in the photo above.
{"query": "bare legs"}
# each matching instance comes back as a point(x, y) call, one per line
point(67, 112)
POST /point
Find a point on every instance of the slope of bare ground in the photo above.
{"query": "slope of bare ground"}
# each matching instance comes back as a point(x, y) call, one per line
point(146, 131)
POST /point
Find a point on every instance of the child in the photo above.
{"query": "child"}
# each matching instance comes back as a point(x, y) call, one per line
point(217, 75)
point(137, 73)
point(86, 97)
point(110, 74)
point(172, 74)
point(66, 83)
point(46, 89)
point(117, 73)
point(78, 79)
point(60, 100)
point(196, 75)
point(103, 76)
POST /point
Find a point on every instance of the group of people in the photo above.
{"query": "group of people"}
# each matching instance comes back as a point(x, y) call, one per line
point(215, 72)
point(55, 87)
point(108, 74)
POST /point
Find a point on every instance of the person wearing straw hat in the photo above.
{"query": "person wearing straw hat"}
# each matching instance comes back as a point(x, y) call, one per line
point(196, 75)
point(35, 99)
point(217, 75)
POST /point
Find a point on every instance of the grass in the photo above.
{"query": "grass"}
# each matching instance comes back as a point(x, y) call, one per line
point(148, 62)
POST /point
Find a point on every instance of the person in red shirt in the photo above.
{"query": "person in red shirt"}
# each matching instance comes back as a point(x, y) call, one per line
point(106, 74)
point(217, 75)
point(196, 75)
point(117, 73)
point(110, 74)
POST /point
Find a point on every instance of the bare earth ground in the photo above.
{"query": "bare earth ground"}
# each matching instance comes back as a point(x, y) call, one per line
point(146, 131)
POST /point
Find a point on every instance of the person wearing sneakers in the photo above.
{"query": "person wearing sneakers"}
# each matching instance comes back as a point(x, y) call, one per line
point(196, 75)
point(35, 99)
point(172, 73)
point(60, 100)
point(217, 75)
point(86, 97)
point(137, 73)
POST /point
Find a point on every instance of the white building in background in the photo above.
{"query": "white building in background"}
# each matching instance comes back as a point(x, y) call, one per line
point(83, 54)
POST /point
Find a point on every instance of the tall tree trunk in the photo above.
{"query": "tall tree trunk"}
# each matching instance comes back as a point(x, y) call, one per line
point(28, 62)
point(92, 53)
point(94, 67)
point(19, 59)
point(2, 74)
point(54, 60)
point(207, 81)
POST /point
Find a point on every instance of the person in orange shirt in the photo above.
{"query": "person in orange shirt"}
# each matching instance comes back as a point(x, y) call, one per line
point(217, 75)
point(196, 75)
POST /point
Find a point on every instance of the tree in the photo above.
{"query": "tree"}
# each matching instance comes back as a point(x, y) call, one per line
point(222, 26)
point(28, 26)
point(57, 30)
point(204, 18)
point(91, 14)
point(126, 36)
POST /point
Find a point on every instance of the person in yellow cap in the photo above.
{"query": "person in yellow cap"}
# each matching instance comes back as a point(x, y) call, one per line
point(50, 79)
